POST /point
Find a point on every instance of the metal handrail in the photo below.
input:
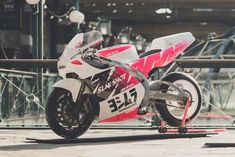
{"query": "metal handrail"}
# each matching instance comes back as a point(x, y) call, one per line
point(28, 63)
point(184, 63)
point(209, 57)
point(206, 63)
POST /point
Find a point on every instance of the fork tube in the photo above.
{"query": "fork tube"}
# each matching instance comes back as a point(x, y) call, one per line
point(82, 89)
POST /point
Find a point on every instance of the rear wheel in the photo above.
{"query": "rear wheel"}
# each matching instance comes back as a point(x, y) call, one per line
point(172, 112)
point(66, 118)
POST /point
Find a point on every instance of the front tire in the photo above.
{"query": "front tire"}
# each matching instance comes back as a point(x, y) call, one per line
point(66, 118)
point(174, 115)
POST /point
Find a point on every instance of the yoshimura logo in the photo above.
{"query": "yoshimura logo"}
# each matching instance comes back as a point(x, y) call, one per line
point(110, 84)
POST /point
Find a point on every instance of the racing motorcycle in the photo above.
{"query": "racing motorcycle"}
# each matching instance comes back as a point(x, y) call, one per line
point(113, 84)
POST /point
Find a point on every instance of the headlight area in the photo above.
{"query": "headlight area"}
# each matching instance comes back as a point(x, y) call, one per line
point(72, 75)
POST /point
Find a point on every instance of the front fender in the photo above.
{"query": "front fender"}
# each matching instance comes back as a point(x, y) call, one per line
point(72, 85)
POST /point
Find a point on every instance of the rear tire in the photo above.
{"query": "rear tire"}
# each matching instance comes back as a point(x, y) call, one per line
point(190, 86)
point(67, 118)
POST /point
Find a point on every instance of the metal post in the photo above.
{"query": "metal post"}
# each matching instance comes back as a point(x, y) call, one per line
point(40, 46)
point(77, 7)
point(35, 32)
point(36, 43)
point(40, 31)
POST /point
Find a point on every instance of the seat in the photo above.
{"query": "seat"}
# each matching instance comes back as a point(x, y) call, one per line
point(149, 52)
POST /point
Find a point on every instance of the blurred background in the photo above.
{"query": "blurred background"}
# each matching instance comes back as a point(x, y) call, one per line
point(40, 29)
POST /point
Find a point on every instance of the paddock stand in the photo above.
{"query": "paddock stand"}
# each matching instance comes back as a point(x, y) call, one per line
point(182, 129)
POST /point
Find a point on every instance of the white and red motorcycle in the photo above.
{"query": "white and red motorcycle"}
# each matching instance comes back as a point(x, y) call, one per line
point(112, 84)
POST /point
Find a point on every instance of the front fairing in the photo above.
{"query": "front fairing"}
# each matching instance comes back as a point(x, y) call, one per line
point(81, 42)
point(76, 48)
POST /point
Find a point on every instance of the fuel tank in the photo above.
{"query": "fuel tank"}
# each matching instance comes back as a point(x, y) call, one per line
point(123, 53)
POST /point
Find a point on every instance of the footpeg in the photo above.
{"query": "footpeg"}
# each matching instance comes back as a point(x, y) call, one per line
point(142, 111)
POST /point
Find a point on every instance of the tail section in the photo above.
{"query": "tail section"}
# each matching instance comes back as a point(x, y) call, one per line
point(171, 47)
point(165, 42)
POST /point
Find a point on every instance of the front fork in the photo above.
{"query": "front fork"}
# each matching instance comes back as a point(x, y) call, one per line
point(82, 89)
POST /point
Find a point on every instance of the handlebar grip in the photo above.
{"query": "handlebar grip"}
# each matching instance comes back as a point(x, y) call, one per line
point(106, 59)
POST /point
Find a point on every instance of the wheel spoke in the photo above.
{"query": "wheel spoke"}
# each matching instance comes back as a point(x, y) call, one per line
point(67, 118)
point(69, 115)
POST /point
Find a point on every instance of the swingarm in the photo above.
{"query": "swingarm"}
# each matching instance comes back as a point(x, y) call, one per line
point(155, 92)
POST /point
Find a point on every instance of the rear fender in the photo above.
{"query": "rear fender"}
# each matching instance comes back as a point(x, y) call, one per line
point(72, 85)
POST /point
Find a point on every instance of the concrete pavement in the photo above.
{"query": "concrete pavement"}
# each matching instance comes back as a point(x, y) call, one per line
point(13, 144)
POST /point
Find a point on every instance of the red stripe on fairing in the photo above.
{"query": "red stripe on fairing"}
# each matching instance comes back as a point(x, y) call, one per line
point(123, 116)
point(125, 86)
point(120, 71)
point(126, 116)
point(77, 62)
point(126, 83)
point(112, 50)
point(161, 59)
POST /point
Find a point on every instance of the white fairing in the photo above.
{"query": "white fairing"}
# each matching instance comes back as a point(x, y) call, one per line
point(168, 41)
point(122, 53)
point(71, 85)
point(126, 56)
point(105, 111)
point(71, 53)
point(83, 71)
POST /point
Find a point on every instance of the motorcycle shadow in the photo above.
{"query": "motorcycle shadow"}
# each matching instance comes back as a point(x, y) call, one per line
point(118, 139)
point(40, 144)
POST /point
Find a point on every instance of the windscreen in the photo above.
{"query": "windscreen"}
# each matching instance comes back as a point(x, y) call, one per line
point(91, 38)
point(82, 41)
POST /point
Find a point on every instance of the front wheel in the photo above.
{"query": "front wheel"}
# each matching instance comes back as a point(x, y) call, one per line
point(172, 112)
point(66, 118)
